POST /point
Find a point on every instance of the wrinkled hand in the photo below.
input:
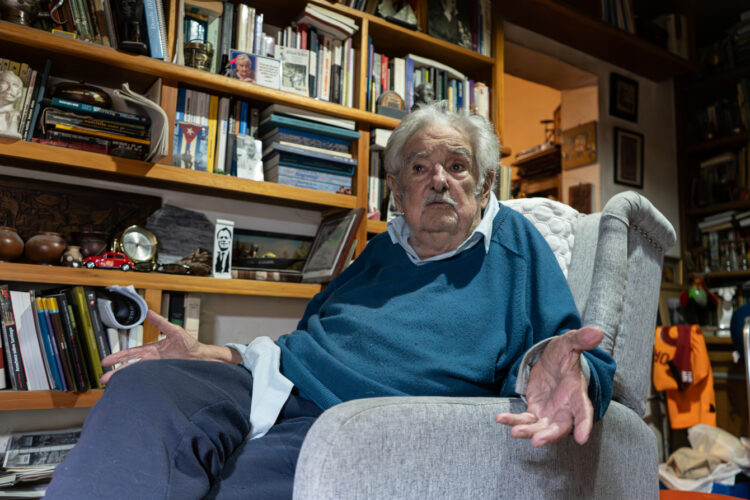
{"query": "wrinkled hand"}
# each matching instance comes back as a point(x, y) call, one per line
point(557, 393)
point(176, 344)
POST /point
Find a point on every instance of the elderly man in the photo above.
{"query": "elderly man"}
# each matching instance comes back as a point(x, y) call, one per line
point(459, 297)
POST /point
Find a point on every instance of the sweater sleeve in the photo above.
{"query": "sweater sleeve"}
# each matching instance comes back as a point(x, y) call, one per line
point(551, 311)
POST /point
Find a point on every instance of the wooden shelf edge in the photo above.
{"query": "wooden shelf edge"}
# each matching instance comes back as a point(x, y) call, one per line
point(32, 37)
point(47, 400)
point(59, 275)
point(43, 153)
point(376, 226)
point(722, 275)
point(719, 143)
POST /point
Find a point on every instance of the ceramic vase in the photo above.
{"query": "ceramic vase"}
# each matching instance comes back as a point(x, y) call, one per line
point(11, 245)
point(91, 242)
point(45, 248)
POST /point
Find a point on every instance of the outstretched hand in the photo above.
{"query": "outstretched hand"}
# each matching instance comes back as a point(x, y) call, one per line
point(177, 343)
point(557, 392)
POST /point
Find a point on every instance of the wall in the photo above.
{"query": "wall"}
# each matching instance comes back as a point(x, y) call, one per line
point(656, 121)
point(580, 106)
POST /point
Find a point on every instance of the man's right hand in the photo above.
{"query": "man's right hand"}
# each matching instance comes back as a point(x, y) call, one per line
point(177, 343)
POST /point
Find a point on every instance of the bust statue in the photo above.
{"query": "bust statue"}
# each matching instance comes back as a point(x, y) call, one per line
point(423, 94)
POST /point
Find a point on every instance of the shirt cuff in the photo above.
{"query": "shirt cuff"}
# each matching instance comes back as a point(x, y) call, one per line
point(531, 357)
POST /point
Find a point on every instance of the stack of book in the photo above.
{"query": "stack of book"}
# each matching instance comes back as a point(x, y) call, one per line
point(306, 149)
point(56, 340)
point(77, 125)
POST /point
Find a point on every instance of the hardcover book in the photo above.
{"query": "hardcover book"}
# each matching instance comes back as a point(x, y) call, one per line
point(191, 146)
point(307, 138)
point(10, 340)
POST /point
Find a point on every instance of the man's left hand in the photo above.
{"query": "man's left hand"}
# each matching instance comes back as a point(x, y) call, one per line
point(557, 392)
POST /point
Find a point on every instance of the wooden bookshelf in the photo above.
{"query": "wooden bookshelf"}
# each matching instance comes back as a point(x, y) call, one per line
point(48, 400)
point(59, 275)
point(376, 226)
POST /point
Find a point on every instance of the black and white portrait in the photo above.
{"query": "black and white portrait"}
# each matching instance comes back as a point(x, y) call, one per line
point(11, 89)
point(222, 260)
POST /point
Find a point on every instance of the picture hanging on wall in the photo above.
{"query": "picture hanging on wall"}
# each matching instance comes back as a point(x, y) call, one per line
point(628, 158)
point(623, 97)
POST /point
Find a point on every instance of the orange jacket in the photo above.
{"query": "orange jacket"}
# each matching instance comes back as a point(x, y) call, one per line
point(683, 370)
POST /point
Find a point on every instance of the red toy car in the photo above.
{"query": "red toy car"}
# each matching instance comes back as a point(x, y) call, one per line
point(110, 260)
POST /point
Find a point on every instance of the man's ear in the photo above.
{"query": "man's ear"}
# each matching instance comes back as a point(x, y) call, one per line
point(393, 185)
point(487, 187)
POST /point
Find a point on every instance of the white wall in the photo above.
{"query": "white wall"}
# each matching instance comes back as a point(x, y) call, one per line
point(656, 121)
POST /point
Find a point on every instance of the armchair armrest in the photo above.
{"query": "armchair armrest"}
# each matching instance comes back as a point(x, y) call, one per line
point(439, 447)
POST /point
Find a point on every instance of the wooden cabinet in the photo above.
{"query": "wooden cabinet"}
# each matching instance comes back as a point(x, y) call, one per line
point(99, 65)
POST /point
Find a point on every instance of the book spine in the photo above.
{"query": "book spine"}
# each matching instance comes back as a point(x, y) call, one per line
point(307, 184)
point(152, 29)
point(10, 338)
point(316, 157)
point(310, 139)
point(62, 345)
point(39, 97)
point(50, 365)
point(100, 133)
point(83, 319)
point(177, 308)
point(53, 116)
point(55, 351)
point(80, 146)
point(27, 107)
point(227, 22)
point(213, 111)
point(100, 334)
point(142, 121)
point(78, 364)
point(28, 341)
point(314, 175)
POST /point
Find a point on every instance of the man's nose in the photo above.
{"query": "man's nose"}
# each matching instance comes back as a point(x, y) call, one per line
point(439, 178)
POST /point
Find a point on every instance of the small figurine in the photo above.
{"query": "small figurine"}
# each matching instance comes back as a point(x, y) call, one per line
point(698, 302)
point(727, 294)
point(423, 94)
point(72, 256)
point(11, 88)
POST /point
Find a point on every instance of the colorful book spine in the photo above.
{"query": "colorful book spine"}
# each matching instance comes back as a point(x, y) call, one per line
point(213, 112)
point(38, 102)
point(101, 112)
point(307, 138)
point(319, 158)
point(62, 345)
point(70, 331)
point(91, 352)
point(10, 339)
point(49, 355)
point(152, 29)
point(102, 343)
point(53, 116)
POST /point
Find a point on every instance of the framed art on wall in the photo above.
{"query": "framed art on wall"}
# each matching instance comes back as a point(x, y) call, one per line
point(623, 97)
point(628, 158)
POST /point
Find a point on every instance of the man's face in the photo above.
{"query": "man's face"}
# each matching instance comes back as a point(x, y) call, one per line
point(224, 239)
point(439, 183)
point(243, 68)
point(10, 87)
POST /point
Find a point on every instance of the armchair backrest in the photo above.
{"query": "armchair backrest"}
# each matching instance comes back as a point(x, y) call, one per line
point(613, 261)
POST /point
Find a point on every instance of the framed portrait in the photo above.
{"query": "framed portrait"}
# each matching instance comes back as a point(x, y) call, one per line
point(450, 20)
point(579, 146)
point(623, 97)
point(264, 250)
point(628, 158)
point(262, 70)
point(332, 247)
point(222, 255)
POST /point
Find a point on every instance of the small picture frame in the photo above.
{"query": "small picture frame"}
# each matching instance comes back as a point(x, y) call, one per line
point(628, 158)
point(671, 271)
point(266, 250)
point(579, 146)
point(623, 97)
point(332, 245)
point(294, 69)
point(221, 263)
point(262, 70)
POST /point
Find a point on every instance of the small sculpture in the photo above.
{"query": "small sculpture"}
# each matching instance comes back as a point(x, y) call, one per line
point(11, 88)
point(727, 309)
point(129, 26)
point(423, 94)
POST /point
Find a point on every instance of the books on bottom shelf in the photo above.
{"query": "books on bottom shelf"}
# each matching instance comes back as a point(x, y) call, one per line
point(56, 340)
point(182, 309)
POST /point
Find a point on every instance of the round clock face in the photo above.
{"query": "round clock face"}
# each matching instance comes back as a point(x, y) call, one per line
point(138, 243)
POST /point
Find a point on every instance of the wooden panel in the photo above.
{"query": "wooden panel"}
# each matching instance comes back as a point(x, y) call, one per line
point(268, 191)
point(31, 273)
point(47, 400)
point(363, 150)
point(376, 226)
point(153, 300)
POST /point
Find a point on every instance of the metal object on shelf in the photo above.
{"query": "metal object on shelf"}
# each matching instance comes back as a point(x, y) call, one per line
point(199, 55)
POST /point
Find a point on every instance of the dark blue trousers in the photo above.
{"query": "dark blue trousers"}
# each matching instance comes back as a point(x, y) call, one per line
point(177, 429)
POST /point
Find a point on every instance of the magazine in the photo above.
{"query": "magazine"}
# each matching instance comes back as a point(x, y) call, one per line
point(293, 69)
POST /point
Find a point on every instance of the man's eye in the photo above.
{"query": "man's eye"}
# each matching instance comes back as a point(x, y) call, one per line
point(418, 168)
point(458, 167)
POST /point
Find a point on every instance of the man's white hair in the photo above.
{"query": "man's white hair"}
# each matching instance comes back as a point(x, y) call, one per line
point(485, 146)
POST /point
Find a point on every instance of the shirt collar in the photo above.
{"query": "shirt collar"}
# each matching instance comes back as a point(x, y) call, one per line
point(399, 232)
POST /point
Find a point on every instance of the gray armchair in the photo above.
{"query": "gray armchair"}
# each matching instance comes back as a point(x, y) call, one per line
point(434, 447)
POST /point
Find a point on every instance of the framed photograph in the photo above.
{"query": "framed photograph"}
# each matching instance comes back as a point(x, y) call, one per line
point(579, 197)
point(671, 271)
point(579, 146)
point(450, 21)
point(263, 250)
point(222, 256)
point(623, 97)
point(332, 246)
point(628, 158)
point(294, 69)
point(249, 162)
point(262, 70)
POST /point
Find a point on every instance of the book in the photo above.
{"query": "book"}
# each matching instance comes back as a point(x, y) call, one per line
point(52, 116)
point(100, 334)
point(72, 337)
point(192, 303)
point(192, 140)
point(327, 21)
point(38, 101)
point(310, 179)
point(28, 341)
point(309, 116)
point(301, 154)
point(50, 358)
point(62, 345)
point(274, 121)
point(96, 133)
point(10, 341)
point(125, 116)
point(86, 331)
point(267, 275)
point(249, 164)
point(308, 139)
point(294, 69)
point(177, 308)
point(153, 30)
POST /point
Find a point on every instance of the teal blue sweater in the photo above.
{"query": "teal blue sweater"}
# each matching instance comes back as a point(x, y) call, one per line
point(456, 327)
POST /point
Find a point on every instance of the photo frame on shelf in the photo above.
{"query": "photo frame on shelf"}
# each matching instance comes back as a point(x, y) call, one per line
point(671, 271)
point(623, 97)
point(628, 158)
point(266, 250)
point(222, 255)
point(579, 146)
point(332, 247)
point(262, 70)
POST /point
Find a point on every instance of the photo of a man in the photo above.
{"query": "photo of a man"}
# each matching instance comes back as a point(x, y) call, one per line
point(243, 67)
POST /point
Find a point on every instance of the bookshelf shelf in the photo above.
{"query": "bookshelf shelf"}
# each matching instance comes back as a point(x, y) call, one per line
point(34, 155)
point(376, 226)
point(32, 273)
point(721, 143)
point(48, 400)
